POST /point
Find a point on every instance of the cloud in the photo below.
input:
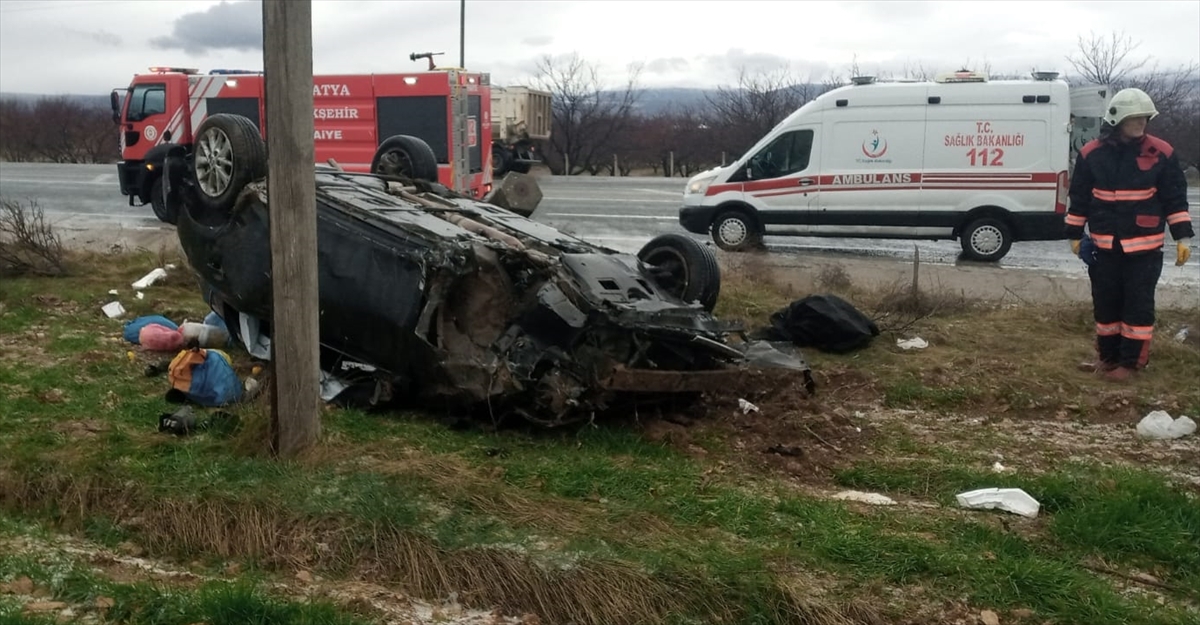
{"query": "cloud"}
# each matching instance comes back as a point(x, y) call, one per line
point(102, 37)
point(673, 65)
point(537, 41)
point(225, 26)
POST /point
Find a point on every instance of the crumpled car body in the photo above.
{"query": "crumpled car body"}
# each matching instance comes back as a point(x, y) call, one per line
point(464, 304)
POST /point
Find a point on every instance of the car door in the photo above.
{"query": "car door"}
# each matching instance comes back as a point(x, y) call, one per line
point(781, 178)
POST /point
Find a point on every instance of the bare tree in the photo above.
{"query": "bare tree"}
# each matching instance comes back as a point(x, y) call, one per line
point(588, 119)
point(745, 112)
point(1105, 61)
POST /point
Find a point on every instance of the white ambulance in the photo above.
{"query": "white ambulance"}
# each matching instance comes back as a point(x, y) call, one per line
point(962, 157)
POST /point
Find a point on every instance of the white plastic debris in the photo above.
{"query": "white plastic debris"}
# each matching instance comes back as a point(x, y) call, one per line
point(150, 278)
point(746, 406)
point(998, 468)
point(913, 343)
point(113, 309)
point(1012, 500)
point(113, 292)
point(875, 499)
point(1159, 425)
point(1182, 334)
point(141, 295)
point(169, 267)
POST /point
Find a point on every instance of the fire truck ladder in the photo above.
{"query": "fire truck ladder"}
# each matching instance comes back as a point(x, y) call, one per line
point(460, 164)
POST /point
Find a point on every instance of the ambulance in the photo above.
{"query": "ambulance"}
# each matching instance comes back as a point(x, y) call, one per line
point(959, 157)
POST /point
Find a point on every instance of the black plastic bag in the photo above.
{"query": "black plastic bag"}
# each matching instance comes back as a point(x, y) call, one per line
point(825, 322)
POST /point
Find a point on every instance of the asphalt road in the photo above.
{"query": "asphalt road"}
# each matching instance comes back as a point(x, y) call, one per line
point(621, 213)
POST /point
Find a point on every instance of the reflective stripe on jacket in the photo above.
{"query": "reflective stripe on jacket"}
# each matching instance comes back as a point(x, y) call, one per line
point(1127, 194)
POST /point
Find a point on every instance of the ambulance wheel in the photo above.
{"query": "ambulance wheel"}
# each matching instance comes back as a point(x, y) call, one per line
point(405, 156)
point(736, 231)
point(158, 201)
point(229, 154)
point(987, 239)
point(681, 266)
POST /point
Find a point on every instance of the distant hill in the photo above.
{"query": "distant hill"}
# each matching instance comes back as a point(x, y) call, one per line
point(99, 101)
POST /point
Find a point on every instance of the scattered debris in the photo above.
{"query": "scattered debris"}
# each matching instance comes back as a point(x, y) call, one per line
point(113, 309)
point(746, 407)
point(1012, 500)
point(1182, 334)
point(874, 499)
point(998, 468)
point(1159, 425)
point(988, 617)
point(913, 343)
point(113, 292)
point(150, 278)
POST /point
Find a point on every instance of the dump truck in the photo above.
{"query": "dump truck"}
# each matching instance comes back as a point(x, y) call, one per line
point(521, 120)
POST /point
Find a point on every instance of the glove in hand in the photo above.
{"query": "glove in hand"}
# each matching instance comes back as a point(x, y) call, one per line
point(1075, 247)
point(1182, 253)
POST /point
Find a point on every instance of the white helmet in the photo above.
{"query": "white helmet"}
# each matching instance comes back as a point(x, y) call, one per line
point(1131, 102)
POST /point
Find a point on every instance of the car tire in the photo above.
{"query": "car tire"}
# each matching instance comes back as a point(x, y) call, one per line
point(158, 201)
point(405, 156)
point(229, 153)
point(684, 268)
point(987, 239)
point(736, 231)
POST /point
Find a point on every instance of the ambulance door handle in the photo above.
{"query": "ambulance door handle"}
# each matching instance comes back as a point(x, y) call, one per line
point(805, 182)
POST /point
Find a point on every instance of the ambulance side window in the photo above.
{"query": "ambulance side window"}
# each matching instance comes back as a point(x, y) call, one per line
point(147, 100)
point(788, 154)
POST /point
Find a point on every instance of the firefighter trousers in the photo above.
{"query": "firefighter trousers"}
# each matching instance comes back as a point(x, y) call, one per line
point(1123, 304)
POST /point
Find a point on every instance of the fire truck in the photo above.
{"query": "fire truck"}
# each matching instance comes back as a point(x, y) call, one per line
point(433, 125)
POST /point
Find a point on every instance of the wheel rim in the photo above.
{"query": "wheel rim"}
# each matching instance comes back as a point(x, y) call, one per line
point(396, 163)
point(733, 231)
point(214, 162)
point(670, 270)
point(986, 240)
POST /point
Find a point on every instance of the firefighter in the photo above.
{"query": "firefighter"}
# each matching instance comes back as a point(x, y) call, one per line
point(1127, 188)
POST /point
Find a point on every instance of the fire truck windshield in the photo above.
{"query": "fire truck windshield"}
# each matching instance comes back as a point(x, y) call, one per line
point(146, 100)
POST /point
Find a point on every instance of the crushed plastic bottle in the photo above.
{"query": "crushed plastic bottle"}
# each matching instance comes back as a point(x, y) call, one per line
point(1182, 334)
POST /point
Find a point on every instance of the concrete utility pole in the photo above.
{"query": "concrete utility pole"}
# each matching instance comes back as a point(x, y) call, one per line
point(291, 194)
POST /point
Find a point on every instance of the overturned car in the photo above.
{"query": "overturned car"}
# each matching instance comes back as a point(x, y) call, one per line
point(461, 304)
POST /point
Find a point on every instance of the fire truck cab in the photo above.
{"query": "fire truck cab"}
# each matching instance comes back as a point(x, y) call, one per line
point(432, 125)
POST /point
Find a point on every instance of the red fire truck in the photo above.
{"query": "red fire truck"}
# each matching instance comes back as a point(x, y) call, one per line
point(365, 122)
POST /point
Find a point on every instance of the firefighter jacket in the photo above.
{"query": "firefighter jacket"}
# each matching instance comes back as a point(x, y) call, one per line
point(1127, 193)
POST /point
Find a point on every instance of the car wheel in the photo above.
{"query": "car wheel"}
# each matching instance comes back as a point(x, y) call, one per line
point(229, 154)
point(987, 239)
point(405, 156)
point(158, 201)
point(681, 266)
point(736, 231)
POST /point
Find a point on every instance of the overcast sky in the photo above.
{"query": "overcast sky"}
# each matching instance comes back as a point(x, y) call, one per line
point(76, 46)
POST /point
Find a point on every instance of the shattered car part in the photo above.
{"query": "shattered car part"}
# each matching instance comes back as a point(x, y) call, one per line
point(463, 304)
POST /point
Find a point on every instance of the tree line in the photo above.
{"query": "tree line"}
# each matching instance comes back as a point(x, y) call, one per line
point(598, 129)
point(57, 129)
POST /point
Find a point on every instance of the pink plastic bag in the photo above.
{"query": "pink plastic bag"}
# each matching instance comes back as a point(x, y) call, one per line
point(160, 338)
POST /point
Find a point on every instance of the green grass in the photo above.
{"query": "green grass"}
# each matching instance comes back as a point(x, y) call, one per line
point(569, 502)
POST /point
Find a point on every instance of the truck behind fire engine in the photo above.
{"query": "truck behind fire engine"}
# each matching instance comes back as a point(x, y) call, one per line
point(365, 122)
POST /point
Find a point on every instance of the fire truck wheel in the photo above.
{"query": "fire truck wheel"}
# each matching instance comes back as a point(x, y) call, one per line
point(683, 267)
point(405, 156)
point(229, 154)
point(158, 201)
point(736, 231)
point(987, 239)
